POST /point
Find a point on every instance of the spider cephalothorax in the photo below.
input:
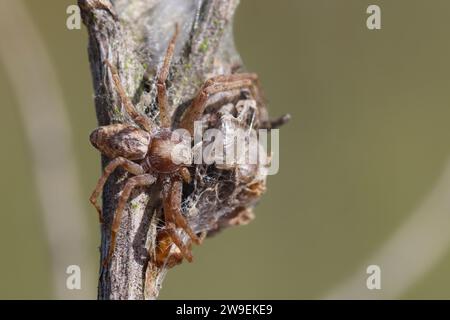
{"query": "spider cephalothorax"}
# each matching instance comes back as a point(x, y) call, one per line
point(144, 150)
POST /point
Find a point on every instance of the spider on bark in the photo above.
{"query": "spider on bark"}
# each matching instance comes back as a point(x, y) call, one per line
point(145, 152)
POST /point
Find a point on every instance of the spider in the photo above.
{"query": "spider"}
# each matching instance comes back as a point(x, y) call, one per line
point(143, 149)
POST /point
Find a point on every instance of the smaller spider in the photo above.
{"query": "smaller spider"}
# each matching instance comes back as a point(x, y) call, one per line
point(144, 150)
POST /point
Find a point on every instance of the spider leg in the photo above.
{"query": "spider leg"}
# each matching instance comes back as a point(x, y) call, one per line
point(137, 181)
point(185, 174)
point(214, 85)
point(170, 227)
point(163, 255)
point(174, 218)
point(131, 110)
point(161, 82)
point(128, 165)
point(168, 235)
point(174, 210)
point(171, 230)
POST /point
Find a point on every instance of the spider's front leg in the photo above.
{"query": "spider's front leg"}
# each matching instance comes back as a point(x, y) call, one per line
point(137, 181)
point(128, 165)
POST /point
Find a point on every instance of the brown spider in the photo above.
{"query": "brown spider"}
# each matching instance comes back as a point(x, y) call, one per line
point(145, 152)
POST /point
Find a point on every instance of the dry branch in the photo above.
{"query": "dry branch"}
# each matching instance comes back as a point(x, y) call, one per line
point(133, 35)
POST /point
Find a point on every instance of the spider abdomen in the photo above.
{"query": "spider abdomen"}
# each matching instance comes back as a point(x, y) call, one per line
point(119, 140)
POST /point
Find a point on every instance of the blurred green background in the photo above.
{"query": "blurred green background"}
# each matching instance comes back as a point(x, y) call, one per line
point(368, 143)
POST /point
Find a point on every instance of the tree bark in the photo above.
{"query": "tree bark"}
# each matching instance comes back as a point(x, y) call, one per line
point(133, 35)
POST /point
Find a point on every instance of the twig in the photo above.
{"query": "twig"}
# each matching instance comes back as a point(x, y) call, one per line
point(133, 35)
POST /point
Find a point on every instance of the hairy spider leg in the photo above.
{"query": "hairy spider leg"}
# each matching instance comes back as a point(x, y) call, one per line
point(175, 210)
point(185, 174)
point(161, 82)
point(174, 219)
point(128, 165)
point(185, 249)
point(131, 110)
point(163, 255)
point(214, 85)
point(169, 225)
point(137, 181)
